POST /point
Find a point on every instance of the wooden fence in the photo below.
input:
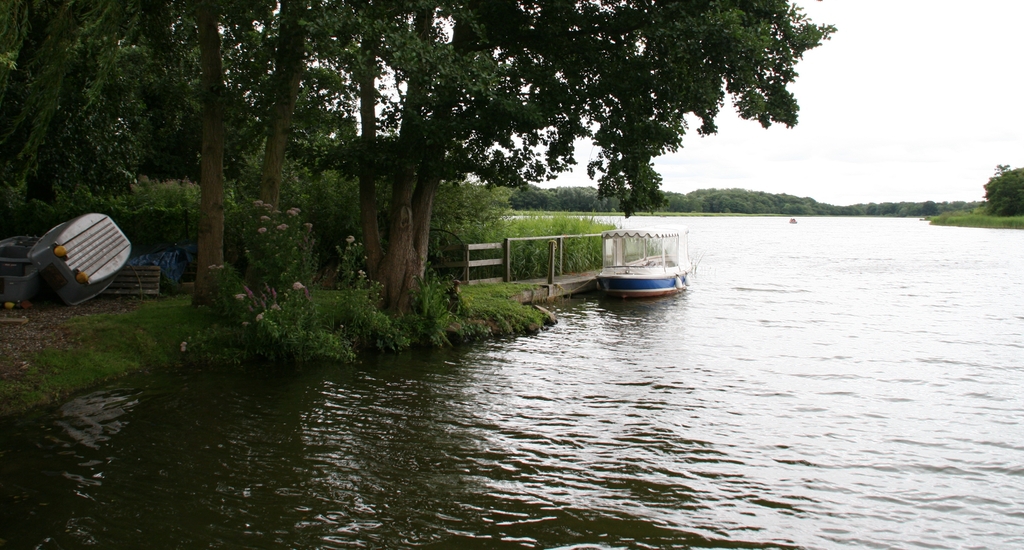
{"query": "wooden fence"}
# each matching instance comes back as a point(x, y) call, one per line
point(467, 263)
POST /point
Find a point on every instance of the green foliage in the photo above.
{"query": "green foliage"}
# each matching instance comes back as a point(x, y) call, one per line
point(278, 246)
point(431, 301)
point(327, 200)
point(153, 212)
point(562, 199)
point(730, 201)
point(467, 212)
point(356, 312)
point(1005, 192)
point(530, 258)
point(274, 311)
point(351, 265)
point(494, 304)
point(973, 219)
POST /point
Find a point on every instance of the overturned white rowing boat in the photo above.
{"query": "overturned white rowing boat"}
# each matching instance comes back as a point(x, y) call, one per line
point(79, 258)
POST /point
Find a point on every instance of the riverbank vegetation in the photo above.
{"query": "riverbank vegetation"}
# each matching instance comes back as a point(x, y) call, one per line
point(724, 201)
point(981, 219)
point(169, 332)
point(1004, 206)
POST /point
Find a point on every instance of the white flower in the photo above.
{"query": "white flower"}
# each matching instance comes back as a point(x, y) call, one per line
point(239, 297)
point(183, 346)
point(350, 239)
point(264, 218)
point(361, 274)
point(245, 323)
point(298, 286)
point(257, 203)
point(261, 230)
point(282, 227)
point(259, 317)
point(275, 307)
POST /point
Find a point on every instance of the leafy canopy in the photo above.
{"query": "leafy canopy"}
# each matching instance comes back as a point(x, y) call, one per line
point(1005, 192)
point(501, 90)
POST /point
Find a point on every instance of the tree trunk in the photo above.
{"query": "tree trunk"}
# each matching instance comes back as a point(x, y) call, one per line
point(211, 179)
point(367, 170)
point(288, 69)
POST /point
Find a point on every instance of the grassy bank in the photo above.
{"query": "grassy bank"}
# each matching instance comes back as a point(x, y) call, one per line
point(112, 345)
point(960, 219)
point(106, 346)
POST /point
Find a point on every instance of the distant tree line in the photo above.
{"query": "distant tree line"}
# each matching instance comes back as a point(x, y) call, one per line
point(726, 201)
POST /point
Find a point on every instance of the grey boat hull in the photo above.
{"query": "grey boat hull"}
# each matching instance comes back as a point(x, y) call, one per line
point(79, 258)
point(19, 277)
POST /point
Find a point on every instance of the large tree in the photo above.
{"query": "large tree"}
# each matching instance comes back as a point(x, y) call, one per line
point(1005, 192)
point(501, 90)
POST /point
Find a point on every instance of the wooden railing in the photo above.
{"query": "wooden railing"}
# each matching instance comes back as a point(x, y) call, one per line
point(466, 261)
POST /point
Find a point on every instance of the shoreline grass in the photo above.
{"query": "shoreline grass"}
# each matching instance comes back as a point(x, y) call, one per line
point(106, 346)
point(963, 219)
point(109, 346)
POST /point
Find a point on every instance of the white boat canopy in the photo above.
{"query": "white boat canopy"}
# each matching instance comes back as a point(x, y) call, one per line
point(642, 233)
point(631, 251)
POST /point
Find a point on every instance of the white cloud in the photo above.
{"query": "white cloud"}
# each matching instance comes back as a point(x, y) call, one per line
point(911, 100)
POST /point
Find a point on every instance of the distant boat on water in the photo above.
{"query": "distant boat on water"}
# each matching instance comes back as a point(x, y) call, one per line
point(792, 220)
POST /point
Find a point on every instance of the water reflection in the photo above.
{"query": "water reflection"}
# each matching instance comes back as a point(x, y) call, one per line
point(92, 419)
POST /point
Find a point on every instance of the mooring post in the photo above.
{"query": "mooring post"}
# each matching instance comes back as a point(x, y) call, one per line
point(552, 245)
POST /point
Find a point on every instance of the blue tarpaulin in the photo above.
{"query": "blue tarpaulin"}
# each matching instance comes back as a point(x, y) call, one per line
point(172, 258)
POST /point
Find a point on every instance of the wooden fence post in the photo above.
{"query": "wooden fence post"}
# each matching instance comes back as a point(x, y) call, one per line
point(561, 255)
point(552, 244)
point(508, 259)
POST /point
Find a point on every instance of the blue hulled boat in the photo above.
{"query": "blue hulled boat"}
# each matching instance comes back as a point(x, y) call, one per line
point(643, 262)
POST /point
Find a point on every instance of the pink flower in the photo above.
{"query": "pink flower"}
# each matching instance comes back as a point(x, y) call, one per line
point(308, 226)
point(297, 286)
point(293, 211)
point(261, 230)
point(257, 203)
point(239, 297)
point(184, 345)
point(275, 307)
point(245, 323)
point(264, 218)
point(283, 226)
point(259, 317)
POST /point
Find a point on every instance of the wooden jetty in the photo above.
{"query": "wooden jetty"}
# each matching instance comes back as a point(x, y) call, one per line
point(563, 286)
point(557, 284)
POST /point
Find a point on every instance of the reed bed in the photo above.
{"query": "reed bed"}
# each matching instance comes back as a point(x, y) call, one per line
point(960, 219)
point(530, 258)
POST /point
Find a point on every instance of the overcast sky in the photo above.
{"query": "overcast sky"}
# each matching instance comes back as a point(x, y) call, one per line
point(911, 100)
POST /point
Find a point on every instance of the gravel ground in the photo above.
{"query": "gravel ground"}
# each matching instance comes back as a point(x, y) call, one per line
point(45, 328)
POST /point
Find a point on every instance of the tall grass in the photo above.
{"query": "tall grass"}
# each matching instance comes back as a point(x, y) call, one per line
point(962, 219)
point(530, 258)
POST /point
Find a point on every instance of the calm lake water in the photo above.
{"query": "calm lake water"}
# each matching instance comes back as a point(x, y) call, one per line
point(833, 383)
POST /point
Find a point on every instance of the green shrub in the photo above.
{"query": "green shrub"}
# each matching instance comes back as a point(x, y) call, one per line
point(431, 302)
point(274, 312)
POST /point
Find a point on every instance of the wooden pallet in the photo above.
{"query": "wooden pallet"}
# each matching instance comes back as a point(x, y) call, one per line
point(136, 280)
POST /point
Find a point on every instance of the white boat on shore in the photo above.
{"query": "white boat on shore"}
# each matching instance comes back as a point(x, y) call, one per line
point(79, 258)
point(643, 262)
